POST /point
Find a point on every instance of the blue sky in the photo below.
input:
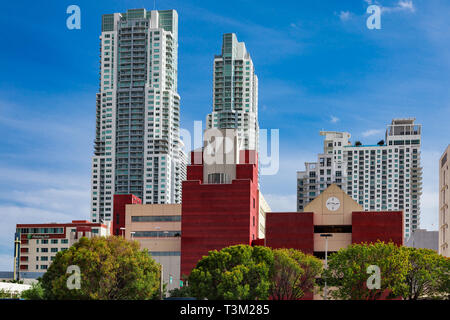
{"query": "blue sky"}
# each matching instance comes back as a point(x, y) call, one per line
point(319, 68)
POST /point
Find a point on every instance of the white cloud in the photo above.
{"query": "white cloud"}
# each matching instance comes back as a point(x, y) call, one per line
point(20, 176)
point(59, 200)
point(402, 5)
point(372, 132)
point(344, 15)
point(28, 196)
point(407, 5)
point(276, 43)
point(282, 203)
point(334, 119)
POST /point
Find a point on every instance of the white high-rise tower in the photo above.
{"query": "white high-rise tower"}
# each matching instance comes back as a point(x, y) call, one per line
point(235, 93)
point(382, 177)
point(137, 142)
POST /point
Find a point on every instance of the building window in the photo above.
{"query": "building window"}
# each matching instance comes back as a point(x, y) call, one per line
point(155, 218)
point(164, 253)
point(156, 234)
point(218, 178)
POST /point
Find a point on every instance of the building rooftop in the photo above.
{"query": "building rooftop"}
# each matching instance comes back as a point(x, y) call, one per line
point(403, 121)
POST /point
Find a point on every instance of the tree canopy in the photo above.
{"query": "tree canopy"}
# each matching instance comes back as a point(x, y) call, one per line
point(294, 274)
point(238, 272)
point(347, 272)
point(243, 272)
point(111, 268)
point(36, 292)
point(428, 274)
point(407, 273)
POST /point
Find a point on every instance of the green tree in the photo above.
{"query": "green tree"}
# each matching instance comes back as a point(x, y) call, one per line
point(111, 269)
point(239, 272)
point(36, 292)
point(5, 294)
point(347, 271)
point(294, 274)
point(183, 292)
point(428, 274)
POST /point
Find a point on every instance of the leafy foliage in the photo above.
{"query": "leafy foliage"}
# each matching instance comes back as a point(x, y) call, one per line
point(5, 294)
point(237, 272)
point(294, 274)
point(183, 292)
point(347, 271)
point(243, 272)
point(36, 292)
point(428, 274)
point(111, 268)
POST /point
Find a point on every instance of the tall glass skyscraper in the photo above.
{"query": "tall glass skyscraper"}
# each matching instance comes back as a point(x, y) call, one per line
point(235, 93)
point(137, 147)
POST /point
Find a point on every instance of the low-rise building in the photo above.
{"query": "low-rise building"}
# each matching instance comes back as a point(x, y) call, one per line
point(157, 228)
point(330, 222)
point(39, 243)
point(424, 239)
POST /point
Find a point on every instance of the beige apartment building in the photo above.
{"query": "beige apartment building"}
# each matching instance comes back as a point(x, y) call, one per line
point(157, 227)
point(39, 243)
point(444, 196)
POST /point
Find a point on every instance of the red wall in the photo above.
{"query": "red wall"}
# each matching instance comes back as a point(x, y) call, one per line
point(290, 230)
point(120, 201)
point(215, 216)
point(372, 226)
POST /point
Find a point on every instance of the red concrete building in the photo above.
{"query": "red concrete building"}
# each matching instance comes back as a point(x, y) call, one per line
point(373, 226)
point(336, 214)
point(120, 201)
point(332, 212)
point(220, 205)
point(290, 230)
point(220, 208)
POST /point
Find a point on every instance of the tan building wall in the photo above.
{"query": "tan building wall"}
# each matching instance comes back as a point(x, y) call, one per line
point(444, 196)
point(158, 236)
point(263, 209)
point(338, 212)
point(343, 213)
